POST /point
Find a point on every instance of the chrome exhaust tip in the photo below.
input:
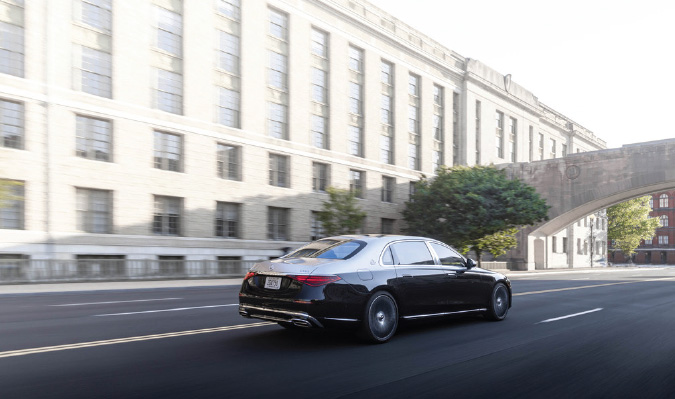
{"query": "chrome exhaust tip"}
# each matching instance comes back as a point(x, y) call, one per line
point(301, 323)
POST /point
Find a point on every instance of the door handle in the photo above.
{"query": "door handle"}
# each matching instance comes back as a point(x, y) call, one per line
point(407, 275)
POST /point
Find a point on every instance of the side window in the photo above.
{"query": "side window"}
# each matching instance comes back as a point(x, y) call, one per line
point(412, 253)
point(387, 259)
point(447, 256)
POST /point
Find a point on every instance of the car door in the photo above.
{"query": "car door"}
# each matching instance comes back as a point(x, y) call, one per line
point(463, 288)
point(419, 281)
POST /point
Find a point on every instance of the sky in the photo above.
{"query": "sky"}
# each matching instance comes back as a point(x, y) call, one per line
point(607, 65)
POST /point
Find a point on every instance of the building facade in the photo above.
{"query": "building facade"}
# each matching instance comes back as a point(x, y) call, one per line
point(183, 130)
point(661, 248)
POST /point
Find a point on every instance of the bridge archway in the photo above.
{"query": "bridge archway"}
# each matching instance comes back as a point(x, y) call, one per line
point(580, 184)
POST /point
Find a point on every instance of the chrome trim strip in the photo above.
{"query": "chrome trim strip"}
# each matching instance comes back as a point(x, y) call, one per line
point(419, 316)
point(336, 319)
point(302, 315)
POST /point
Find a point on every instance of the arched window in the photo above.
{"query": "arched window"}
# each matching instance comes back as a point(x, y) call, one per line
point(663, 220)
point(663, 201)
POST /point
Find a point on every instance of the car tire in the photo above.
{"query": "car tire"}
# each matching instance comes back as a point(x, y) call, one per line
point(380, 318)
point(499, 303)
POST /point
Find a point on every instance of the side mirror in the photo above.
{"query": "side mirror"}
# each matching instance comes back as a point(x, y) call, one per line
point(470, 263)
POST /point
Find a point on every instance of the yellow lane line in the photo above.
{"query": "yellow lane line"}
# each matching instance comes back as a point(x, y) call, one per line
point(591, 286)
point(31, 351)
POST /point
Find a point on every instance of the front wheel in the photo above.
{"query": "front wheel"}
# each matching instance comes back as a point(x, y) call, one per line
point(380, 318)
point(499, 303)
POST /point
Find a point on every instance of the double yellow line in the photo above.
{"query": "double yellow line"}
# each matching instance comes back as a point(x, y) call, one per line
point(44, 349)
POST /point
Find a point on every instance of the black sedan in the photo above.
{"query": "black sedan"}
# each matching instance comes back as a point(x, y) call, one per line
point(371, 282)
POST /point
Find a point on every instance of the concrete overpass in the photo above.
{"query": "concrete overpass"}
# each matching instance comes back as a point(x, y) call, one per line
point(580, 184)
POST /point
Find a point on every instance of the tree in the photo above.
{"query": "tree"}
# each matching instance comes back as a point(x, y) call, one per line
point(629, 223)
point(473, 208)
point(340, 214)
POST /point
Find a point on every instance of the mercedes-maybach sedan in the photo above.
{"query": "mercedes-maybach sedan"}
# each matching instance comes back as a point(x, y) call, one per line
point(370, 282)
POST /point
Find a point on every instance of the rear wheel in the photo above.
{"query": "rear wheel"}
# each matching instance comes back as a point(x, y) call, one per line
point(499, 303)
point(380, 318)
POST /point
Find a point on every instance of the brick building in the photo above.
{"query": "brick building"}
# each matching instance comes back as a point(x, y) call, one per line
point(661, 248)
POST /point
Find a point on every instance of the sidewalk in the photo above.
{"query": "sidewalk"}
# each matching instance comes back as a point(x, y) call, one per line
point(154, 284)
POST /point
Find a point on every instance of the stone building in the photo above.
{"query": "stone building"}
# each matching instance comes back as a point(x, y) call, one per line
point(189, 130)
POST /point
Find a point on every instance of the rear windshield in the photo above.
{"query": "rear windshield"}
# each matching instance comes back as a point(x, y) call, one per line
point(329, 249)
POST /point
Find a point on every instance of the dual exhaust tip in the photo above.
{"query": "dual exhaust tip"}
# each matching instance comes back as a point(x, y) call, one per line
point(295, 321)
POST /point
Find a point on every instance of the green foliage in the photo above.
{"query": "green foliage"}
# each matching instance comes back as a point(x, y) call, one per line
point(340, 214)
point(473, 208)
point(629, 223)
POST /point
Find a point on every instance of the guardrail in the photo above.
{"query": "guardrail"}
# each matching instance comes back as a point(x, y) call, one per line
point(50, 270)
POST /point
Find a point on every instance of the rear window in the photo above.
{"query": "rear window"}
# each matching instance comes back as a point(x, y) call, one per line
point(329, 249)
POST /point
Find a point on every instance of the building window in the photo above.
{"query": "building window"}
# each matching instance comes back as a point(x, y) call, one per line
point(455, 129)
point(531, 142)
point(388, 189)
point(167, 217)
point(94, 210)
point(11, 124)
point(387, 226)
point(663, 240)
point(541, 146)
point(319, 43)
point(320, 131)
point(11, 49)
point(355, 96)
point(552, 153)
point(355, 140)
point(651, 202)
point(277, 223)
point(564, 245)
point(169, 92)
point(230, 8)
point(278, 71)
point(554, 244)
point(356, 183)
point(412, 189)
point(96, 72)
point(278, 121)
point(169, 31)
point(97, 14)
point(663, 201)
point(227, 220)
point(387, 113)
point(228, 107)
point(12, 209)
point(663, 220)
point(228, 57)
point(168, 151)
point(319, 86)
point(320, 176)
point(316, 227)
point(278, 25)
point(563, 150)
point(499, 139)
point(279, 170)
point(413, 122)
point(229, 162)
point(94, 138)
point(513, 139)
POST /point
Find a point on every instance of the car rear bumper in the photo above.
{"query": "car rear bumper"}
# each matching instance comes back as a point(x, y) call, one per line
point(300, 319)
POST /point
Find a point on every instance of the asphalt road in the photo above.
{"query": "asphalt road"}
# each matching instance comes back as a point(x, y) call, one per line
point(594, 334)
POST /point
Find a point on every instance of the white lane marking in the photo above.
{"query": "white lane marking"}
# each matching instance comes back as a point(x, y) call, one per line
point(571, 315)
point(105, 303)
point(576, 279)
point(31, 351)
point(166, 310)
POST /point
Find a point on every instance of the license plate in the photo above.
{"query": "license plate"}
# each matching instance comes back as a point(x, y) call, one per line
point(273, 283)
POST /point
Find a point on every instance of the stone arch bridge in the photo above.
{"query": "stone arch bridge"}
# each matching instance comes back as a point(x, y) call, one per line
point(580, 184)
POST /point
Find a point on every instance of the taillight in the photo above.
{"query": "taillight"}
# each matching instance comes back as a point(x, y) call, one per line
point(249, 275)
point(315, 281)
